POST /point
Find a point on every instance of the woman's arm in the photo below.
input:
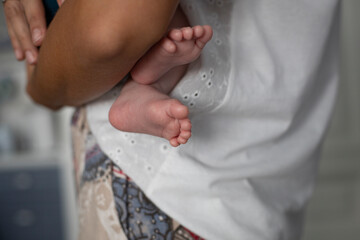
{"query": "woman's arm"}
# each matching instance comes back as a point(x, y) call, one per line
point(91, 45)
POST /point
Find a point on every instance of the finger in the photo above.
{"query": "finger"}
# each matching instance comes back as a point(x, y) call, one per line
point(15, 16)
point(35, 15)
point(29, 71)
point(19, 54)
point(60, 2)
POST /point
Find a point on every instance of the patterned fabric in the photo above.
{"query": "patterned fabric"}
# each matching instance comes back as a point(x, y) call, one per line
point(111, 205)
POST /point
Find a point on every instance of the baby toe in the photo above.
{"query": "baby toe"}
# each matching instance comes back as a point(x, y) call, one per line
point(185, 125)
point(182, 140)
point(187, 33)
point(208, 32)
point(176, 35)
point(198, 31)
point(185, 134)
point(174, 142)
point(168, 45)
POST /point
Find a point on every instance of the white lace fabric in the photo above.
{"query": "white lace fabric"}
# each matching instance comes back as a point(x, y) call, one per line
point(202, 89)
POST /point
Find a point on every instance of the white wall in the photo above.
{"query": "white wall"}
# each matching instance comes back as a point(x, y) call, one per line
point(334, 212)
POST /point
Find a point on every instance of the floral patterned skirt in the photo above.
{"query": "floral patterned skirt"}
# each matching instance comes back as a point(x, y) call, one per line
point(111, 205)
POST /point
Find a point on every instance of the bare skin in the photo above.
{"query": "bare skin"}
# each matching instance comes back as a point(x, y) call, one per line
point(77, 63)
point(143, 105)
point(181, 47)
point(154, 112)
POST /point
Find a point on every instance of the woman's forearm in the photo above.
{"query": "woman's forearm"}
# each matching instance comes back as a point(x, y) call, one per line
point(91, 45)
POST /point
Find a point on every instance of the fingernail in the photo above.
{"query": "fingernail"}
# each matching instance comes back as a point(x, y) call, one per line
point(30, 58)
point(60, 2)
point(18, 54)
point(36, 35)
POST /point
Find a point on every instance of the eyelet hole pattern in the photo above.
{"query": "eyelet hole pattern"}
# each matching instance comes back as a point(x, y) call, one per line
point(186, 97)
point(164, 148)
point(203, 76)
point(196, 94)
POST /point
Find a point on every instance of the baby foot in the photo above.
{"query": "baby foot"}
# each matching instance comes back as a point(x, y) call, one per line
point(180, 47)
point(153, 113)
point(171, 118)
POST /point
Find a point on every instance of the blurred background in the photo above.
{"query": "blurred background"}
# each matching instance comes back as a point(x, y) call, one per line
point(37, 196)
point(334, 211)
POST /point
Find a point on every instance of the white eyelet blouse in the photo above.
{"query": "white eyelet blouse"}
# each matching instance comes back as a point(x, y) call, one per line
point(260, 98)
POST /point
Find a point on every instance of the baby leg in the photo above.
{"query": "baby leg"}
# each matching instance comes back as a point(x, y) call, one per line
point(147, 108)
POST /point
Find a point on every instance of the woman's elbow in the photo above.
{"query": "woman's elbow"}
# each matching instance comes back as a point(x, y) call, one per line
point(41, 99)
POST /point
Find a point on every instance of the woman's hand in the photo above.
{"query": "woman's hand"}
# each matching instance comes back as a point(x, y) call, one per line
point(26, 26)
